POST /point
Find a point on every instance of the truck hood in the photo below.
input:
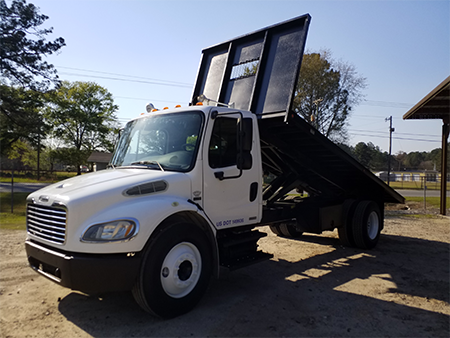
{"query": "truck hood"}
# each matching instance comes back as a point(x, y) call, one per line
point(110, 179)
point(144, 195)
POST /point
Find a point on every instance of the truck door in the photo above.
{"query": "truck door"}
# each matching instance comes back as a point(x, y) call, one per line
point(232, 196)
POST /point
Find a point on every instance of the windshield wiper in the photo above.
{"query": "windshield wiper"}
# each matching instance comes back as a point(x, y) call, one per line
point(147, 163)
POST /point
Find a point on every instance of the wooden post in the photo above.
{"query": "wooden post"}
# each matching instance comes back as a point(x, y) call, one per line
point(445, 133)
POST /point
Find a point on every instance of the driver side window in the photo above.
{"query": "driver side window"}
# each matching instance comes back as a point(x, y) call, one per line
point(223, 144)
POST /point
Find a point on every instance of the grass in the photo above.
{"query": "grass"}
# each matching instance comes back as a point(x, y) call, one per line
point(431, 201)
point(17, 219)
point(417, 185)
point(420, 216)
point(28, 178)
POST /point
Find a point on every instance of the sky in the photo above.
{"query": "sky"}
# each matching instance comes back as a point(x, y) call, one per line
point(149, 51)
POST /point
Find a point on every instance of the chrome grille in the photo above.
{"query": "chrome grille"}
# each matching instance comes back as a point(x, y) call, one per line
point(48, 223)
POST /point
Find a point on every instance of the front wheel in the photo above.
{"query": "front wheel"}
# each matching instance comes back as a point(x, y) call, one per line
point(175, 271)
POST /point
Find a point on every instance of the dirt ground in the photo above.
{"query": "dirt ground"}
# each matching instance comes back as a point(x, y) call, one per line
point(312, 287)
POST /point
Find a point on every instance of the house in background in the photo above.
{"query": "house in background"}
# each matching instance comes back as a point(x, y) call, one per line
point(99, 160)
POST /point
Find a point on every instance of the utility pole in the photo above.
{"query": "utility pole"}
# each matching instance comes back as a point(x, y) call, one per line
point(391, 130)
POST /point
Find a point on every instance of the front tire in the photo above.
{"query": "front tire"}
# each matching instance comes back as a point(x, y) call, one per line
point(175, 271)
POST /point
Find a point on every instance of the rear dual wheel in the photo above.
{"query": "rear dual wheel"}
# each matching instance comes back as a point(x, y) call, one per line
point(175, 271)
point(363, 222)
point(367, 224)
point(288, 230)
point(345, 232)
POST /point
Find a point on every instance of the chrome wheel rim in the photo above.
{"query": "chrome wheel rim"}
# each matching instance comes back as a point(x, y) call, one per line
point(181, 270)
point(373, 225)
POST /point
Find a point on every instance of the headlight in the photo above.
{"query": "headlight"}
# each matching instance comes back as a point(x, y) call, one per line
point(111, 231)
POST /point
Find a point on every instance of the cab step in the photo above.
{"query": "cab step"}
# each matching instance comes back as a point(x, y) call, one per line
point(239, 248)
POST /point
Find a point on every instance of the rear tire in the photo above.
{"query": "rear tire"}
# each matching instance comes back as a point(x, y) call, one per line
point(275, 229)
point(345, 232)
point(367, 224)
point(289, 230)
point(175, 271)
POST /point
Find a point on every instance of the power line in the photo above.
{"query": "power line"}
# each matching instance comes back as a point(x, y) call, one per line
point(387, 104)
point(142, 99)
point(131, 76)
point(373, 117)
point(385, 132)
point(127, 80)
point(396, 138)
point(369, 131)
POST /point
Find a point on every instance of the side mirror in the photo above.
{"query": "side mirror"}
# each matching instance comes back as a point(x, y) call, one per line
point(245, 140)
point(246, 134)
point(244, 161)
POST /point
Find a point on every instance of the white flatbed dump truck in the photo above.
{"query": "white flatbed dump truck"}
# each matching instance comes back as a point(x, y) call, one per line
point(184, 191)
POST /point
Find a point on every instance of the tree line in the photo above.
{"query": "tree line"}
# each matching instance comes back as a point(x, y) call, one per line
point(374, 159)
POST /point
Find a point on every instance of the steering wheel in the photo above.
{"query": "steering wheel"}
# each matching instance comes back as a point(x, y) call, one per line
point(186, 145)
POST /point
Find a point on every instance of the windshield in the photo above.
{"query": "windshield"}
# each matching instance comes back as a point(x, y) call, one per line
point(162, 142)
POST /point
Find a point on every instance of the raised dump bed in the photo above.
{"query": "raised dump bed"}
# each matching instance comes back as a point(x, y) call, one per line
point(258, 72)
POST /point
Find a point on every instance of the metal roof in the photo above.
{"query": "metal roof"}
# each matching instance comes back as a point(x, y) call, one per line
point(436, 105)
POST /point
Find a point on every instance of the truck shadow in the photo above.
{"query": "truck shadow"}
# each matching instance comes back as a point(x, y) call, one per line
point(393, 290)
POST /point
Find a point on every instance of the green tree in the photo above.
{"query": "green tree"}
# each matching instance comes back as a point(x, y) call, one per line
point(347, 148)
point(26, 157)
point(363, 153)
point(70, 156)
point(327, 91)
point(414, 159)
point(400, 158)
point(23, 46)
point(435, 156)
point(20, 117)
point(371, 156)
point(83, 116)
point(25, 75)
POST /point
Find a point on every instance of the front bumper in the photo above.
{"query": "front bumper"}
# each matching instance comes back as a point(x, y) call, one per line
point(88, 273)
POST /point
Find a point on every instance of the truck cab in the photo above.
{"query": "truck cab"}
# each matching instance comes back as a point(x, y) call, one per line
point(95, 232)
